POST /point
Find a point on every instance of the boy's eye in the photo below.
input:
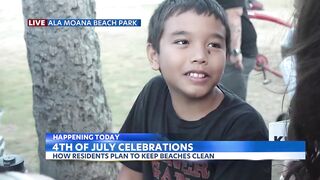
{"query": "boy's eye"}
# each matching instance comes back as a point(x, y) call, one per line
point(181, 42)
point(214, 45)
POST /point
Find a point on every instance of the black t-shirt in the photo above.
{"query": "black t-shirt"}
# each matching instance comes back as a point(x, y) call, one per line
point(234, 119)
point(249, 36)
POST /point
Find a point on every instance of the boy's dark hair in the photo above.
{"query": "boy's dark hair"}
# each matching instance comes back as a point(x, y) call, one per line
point(169, 8)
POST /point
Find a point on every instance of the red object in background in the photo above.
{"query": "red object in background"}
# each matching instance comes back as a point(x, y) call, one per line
point(37, 22)
point(262, 64)
point(267, 17)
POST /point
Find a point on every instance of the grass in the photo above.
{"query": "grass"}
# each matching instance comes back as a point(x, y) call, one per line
point(17, 124)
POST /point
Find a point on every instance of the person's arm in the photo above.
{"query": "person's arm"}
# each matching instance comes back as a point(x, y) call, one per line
point(127, 173)
point(234, 18)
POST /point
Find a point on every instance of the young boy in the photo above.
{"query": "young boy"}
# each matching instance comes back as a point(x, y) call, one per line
point(189, 43)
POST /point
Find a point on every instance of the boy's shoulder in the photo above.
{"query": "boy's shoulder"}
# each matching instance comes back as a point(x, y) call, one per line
point(157, 81)
point(154, 93)
point(245, 122)
point(154, 88)
point(234, 103)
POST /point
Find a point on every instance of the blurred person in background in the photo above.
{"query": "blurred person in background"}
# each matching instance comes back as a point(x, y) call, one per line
point(243, 47)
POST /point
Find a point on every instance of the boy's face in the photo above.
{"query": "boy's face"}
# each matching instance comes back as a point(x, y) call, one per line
point(192, 54)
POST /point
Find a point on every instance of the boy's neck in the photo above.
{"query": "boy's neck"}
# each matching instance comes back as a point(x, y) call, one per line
point(195, 109)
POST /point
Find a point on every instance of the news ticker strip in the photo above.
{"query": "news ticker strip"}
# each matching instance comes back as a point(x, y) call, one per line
point(84, 22)
point(145, 147)
point(151, 156)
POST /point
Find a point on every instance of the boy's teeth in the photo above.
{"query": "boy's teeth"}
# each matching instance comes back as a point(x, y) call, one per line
point(196, 75)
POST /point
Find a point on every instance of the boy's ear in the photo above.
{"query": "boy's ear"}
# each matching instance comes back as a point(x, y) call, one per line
point(153, 57)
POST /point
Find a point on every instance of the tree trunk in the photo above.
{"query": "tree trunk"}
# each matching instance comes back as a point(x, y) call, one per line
point(68, 94)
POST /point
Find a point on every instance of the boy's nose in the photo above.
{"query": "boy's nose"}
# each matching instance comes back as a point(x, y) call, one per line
point(200, 56)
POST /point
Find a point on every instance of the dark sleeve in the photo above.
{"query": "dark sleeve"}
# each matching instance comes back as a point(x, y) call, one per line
point(134, 124)
point(131, 126)
point(248, 126)
point(227, 4)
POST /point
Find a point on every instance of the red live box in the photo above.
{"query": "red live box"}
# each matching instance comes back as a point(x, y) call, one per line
point(37, 22)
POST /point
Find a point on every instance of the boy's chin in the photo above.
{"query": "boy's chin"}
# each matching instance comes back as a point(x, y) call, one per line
point(198, 94)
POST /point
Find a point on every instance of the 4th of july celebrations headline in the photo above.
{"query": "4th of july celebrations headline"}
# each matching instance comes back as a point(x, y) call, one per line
point(147, 147)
